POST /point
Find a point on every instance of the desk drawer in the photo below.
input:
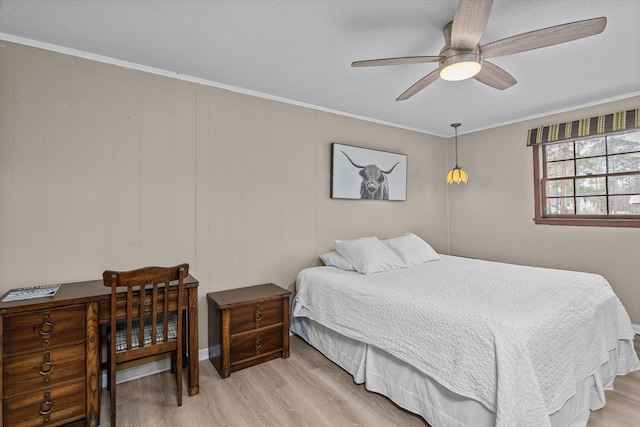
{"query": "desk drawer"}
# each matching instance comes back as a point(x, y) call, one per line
point(46, 408)
point(254, 316)
point(256, 343)
point(45, 328)
point(43, 369)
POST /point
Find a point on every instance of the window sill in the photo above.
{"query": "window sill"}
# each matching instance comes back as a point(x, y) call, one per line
point(590, 222)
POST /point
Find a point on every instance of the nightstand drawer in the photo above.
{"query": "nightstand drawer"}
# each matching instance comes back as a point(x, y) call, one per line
point(64, 403)
point(254, 316)
point(44, 328)
point(255, 343)
point(43, 369)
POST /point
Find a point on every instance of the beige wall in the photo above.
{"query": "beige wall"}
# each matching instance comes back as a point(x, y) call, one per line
point(107, 167)
point(492, 216)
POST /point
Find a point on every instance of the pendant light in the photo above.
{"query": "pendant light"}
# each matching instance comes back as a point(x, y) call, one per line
point(456, 174)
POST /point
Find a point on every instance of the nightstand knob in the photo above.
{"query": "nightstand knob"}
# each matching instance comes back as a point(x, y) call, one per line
point(258, 343)
point(258, 316)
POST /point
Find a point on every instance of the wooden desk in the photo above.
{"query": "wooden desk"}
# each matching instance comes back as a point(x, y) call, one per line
point(53, 345)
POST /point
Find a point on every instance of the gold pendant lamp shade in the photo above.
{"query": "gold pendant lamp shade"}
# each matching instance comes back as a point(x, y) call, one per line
point(456, 174)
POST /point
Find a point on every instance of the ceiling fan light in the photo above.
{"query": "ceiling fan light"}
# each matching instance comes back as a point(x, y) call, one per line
point(460, 67)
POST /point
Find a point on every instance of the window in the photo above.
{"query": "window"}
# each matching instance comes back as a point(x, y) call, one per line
point(589, 181)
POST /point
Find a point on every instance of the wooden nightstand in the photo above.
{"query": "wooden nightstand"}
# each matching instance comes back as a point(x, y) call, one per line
point(248, 326)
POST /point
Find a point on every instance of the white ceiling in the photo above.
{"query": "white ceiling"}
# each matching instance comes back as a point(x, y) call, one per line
point(301, 51)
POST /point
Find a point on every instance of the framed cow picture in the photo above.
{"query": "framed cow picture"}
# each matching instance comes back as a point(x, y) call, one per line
point(363, 173)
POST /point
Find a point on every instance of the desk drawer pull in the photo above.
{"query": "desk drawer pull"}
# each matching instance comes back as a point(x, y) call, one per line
point(148, 306)
point(46, 407)
point(258, 342)
point(46, 368)
point(258, 316)
point(46, 328)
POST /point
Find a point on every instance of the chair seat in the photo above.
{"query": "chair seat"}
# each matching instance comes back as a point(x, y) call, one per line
point(121, 331)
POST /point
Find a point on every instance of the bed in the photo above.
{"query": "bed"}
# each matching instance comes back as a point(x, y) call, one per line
point(466, 342)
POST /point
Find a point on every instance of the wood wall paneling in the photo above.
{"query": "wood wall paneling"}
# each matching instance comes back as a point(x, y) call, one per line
point(56, 167)
point(184, 172)
point(252, 182)
point(201, 245)
point(7, 87)
point(125, 246)
point(273, 175)
point(217, 187)
point(27, 210)
point(90, 220)
point(232, 243)
point(157, 170)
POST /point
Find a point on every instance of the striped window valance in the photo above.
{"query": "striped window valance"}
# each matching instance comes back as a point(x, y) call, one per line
point(584, 128)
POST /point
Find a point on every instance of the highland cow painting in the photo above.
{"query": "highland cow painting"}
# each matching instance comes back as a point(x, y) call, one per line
point(362, 173)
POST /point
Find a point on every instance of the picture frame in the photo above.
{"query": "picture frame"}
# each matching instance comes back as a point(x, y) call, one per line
point(367, 174)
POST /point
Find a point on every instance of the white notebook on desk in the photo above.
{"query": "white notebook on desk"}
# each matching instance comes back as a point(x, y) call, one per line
point(31, 292)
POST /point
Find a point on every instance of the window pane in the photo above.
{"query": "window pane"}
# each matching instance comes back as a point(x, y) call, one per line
point(591, 186)
point(625, 184)
point(560, 206)
point(561, 151)
point(593, 165)
point(558, 169)
point(560, 188)
point(626, 143)
point(634, 202)
point(590, 147)
point(624, 163)
point(624, 205)
point(592, 205)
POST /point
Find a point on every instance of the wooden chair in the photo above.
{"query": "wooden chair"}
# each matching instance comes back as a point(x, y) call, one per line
point(149, 315)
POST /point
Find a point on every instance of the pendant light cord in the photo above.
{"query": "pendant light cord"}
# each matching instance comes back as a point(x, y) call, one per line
point(455, 128)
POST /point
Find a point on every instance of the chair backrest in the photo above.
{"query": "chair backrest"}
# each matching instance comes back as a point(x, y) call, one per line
point(148, 301)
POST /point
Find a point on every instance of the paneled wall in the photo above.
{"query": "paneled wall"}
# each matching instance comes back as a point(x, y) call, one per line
point(492, 216)
point(107, 167)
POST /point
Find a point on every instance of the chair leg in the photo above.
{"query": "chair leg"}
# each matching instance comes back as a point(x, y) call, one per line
point(179, 375)
point(108, 377)
point(185, 340)
point(112, 382)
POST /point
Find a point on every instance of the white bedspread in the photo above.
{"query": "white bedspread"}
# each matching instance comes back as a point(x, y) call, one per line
point(515, 338)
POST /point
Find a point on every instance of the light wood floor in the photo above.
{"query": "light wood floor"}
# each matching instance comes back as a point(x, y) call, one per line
point(304, 390)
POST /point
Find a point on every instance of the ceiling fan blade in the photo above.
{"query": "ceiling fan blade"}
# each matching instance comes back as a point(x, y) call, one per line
point(494, 76)
point(396, 61)
point(544, 37)
point(469, 23)
point(419, 85)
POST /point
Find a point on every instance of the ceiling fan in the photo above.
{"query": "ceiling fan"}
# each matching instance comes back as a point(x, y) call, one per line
point(462, 58)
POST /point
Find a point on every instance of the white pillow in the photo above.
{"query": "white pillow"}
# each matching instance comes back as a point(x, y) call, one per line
point(369, 255)
point(412, 249)
point(334, 259)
